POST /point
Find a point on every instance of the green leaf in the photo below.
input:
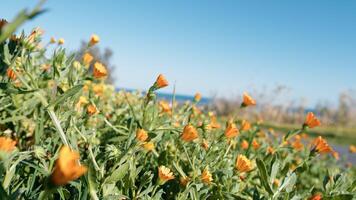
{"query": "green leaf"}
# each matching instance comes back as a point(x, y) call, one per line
point(11, 171)
point(74, 90)
point(263, 175)
point(291, 134)
point(118, 173)
point(92, 184)
point(274, 171)
point(3, 194)
point(340, 197)
point(288, 184)
point(10, 89)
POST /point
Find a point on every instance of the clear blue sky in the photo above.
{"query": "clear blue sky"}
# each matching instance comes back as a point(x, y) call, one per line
point(222, 47)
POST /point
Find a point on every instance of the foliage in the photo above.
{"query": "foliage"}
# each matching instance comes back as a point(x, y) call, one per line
point(50, 99)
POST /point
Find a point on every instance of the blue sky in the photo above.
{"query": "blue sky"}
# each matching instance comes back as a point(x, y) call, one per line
point(215, 47)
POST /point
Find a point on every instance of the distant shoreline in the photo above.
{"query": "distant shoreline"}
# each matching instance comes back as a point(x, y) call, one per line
point(167, 96)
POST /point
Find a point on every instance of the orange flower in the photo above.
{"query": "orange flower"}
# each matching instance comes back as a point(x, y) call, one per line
point(231, 130)
point(189, 133)
point(11, 74)
point(244, 144)
point(87, 58)
point(165, 106)
point(276, 182)
point(243, 164)
point(197, 97)
point(270, 150)
point(93, 40)
point(316, 197)
point(336, 155)
point(183, 181)
point(98, 89)
point(321, 146)
point(7, 144)
point(352, 149)
point(298, 145)
point(247, 100)
point(91, 109)
point(67, 167)
point(141, 135)
point(45, 67)
point(206, 176)
point(255, 144)
point(245, 125)
point(205, 144)
point(213, 123)
point(99, 70)
point(161, 81)
point(149, 146)
point(311, 121)
point(165, 174)
point(196, 111)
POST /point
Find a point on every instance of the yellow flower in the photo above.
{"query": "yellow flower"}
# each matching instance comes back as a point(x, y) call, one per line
point(197, 97)
point(11, 74)
point(247, 100)
point(87, 58)
point(99, 70)
point(149, 146)
point(82, 101)
point(243, 164)
point(141, 135)
point(244, 144)
point(206, 176)
point(52, 40)
point(231, 130)
point(61, 41)
point(245, 125)
point(311, 121)
point(7, 144)
point(255, 144)
point(165, 174)
point(165, 106)
point(161, 81)
point(67, 167)
point(189, 133)
point(91, 109)
point(352, 149)
point(93, 40)
point(321, 146)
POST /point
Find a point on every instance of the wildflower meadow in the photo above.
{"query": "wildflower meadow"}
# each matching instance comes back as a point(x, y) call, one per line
point(65, 133)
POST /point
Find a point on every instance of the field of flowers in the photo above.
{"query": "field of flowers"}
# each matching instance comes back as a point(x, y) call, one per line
point(66, 134)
